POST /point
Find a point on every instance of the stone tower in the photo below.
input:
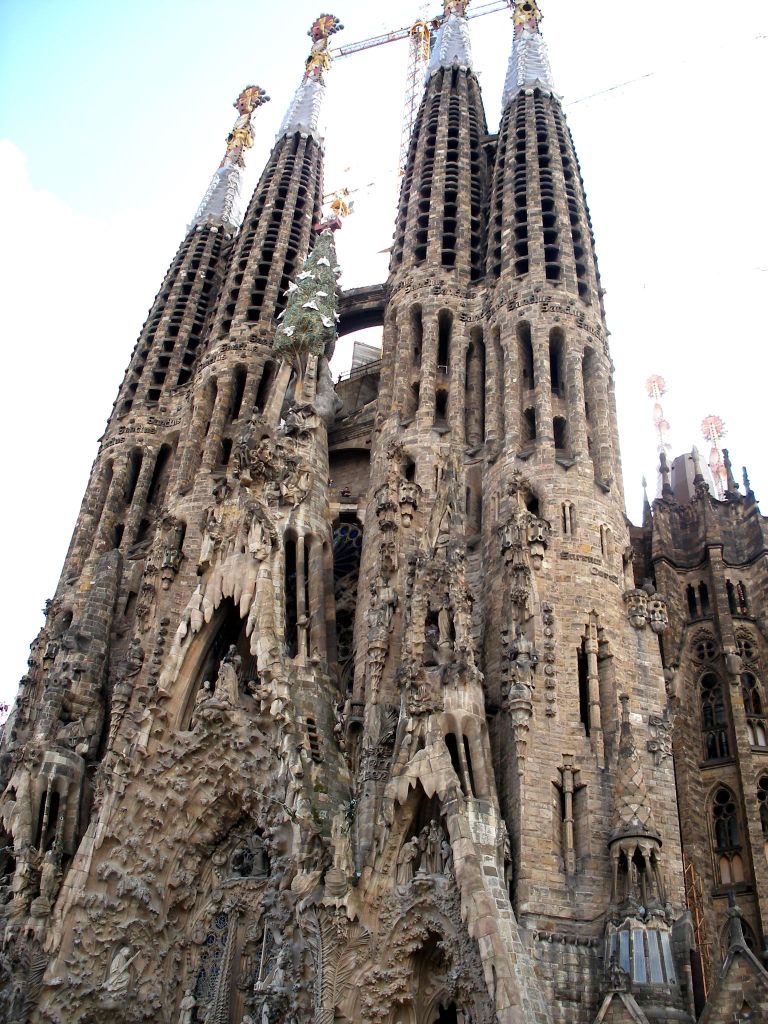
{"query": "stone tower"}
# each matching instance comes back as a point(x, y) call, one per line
point(348, 706)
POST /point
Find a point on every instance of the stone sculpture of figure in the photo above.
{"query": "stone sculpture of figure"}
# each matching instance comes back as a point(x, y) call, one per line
point(446, 856)
point(444, 626)
point(50, 876)
point(203, 694)
point(525, 659)
point(434, 862)
point(406, 858)
point(258, 540)
point(119, 979)
point(134, 658)
point(342, 847)
point(228, 679)
point(187, 1007)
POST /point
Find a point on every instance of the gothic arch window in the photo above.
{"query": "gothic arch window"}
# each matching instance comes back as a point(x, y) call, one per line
point(704, 599)
point(690, 596)
point(714, 718)
point(754, 707)
point(726, 837)
point(751, 943)
point(704, 647)
point(746, 647)
point(750, 691)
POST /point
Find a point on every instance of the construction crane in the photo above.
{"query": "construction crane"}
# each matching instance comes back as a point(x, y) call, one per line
point(419, 36)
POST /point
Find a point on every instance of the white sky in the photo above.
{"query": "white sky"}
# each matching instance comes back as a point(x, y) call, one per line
point(113, 130)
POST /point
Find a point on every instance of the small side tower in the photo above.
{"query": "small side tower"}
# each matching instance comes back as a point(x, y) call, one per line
point(710, 558)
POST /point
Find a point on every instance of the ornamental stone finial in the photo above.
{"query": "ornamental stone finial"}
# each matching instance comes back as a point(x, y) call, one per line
point(527, 15)
point(321, 30)
point(220, 207)
point(303, 114)
point(241, 136)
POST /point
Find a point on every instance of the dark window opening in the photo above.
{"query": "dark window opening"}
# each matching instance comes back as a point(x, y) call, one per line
point(238, 390)
point(134, 468)
point(556, 360)
point(470, 773)
point(265, 385)
point(526, 355)
point(453, 750)
point(160, 475)
point(444, 327)
point(417, 334)
point(441, 406)
point(291, 627)
point(714, 719)
point(583, 670)
point(314, 741)
point(559, 429)
point(704, 598)
point(529, 426)
point(690, 595)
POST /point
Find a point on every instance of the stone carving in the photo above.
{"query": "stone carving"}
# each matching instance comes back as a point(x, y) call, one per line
point(637, 607)
point(408, 499)
point(548, 658)
point(517, 688)
point(118, 980)
point(172, 534)
point(409, 853)
point(187, 1008)
point(660, 743)
point(658, 619)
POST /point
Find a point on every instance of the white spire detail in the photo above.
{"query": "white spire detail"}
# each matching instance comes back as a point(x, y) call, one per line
point(452, 47)
point(529, 61)
point(220, 206)
point(303, 115)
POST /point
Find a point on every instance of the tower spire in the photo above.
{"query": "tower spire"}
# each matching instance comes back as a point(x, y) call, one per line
point(529, 61)
point(303, 114)
point(220, 206)
point(452, 47)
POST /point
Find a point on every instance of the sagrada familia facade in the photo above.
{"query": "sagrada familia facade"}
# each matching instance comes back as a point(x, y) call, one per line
point(364, 703)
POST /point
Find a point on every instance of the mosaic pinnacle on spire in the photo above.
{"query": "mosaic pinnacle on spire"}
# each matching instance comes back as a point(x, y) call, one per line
point(529, 61)
point(304, 112)
point(221, 203)
point(452, 47)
